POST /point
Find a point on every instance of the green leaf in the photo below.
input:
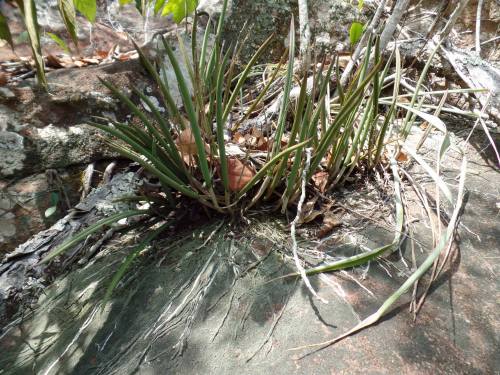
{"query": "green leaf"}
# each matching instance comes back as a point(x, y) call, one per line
point(87, 8)
point(419, 272)
point(68, 14)
point(360, 4)
point(139, 4)
point(179, 9)
point(61, 43)
point(66, 245)
point(159, 6)
point(28, 9)
point(54, 198)
point(50, 211)
point(5, 31)
point(355, 32)
point(130, 258)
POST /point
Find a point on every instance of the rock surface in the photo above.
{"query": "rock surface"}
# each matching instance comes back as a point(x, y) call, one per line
point(22, 278)
point(330, 21)
point(44, 135)
point(208, 301)
point(40, 131)
point(23, 204)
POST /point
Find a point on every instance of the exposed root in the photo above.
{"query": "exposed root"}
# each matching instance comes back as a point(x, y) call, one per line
point(293, 229)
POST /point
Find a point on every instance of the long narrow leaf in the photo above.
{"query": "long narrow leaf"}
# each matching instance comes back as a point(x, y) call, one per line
point(421, 270)
point(188, 105)
point(28, 8)
point(90, 230)
point(244, 75)
point(261, 173)
point(5, 31)
point(130, 258)
point(68, 14)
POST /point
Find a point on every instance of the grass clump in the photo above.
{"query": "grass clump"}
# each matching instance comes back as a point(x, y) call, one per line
point(192, 152)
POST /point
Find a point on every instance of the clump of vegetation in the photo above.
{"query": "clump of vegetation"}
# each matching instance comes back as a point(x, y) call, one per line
point(189, 153)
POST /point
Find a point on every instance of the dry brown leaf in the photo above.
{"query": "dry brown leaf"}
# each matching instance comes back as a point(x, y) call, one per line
point(239, 174)
point(54, 62)
point(251, 140)
point(3, 79)
point(263, 144)
point(320, 180)
point(402, 157)
point(186, 143)
point(257, 133)
point(100, 54)
point(239, 138)
point(285, 139)
point(330, 222)
point(308, 211)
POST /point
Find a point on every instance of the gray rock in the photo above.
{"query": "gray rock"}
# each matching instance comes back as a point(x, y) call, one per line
point(12, 153)
point(330, 21)
point(23, 204)
point(21, 276)
point(40, 131)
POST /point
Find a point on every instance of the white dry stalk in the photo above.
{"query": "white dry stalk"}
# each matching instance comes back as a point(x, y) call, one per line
point(87, 322)
point(87, 180)
point(202, 276)
point(485, 127)
point(106, 177)
point(399, 9)
point(295, 221)
point(478, 27)
point(305, 33)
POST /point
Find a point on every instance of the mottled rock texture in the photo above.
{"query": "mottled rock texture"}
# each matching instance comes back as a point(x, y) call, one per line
point(45, 143)
point(330, 21)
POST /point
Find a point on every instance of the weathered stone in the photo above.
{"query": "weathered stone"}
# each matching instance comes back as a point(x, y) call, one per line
point(23, 205)
point(40, 131)
point(21, 275)
point(12, 153)
point(329, 20)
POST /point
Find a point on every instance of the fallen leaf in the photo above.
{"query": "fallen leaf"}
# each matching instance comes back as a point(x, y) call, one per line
point(320, 180)
point(251, 140)
point(3, 79)
point(186, 143)
point(239, 174)
point(285, 140)
point(308, 211)
point(101, 54)
point(263, 144)
point(54, 62)
point(330, 222)
point(187, 146)
point(257, 133)
point(239, 138)
point(402, 157)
